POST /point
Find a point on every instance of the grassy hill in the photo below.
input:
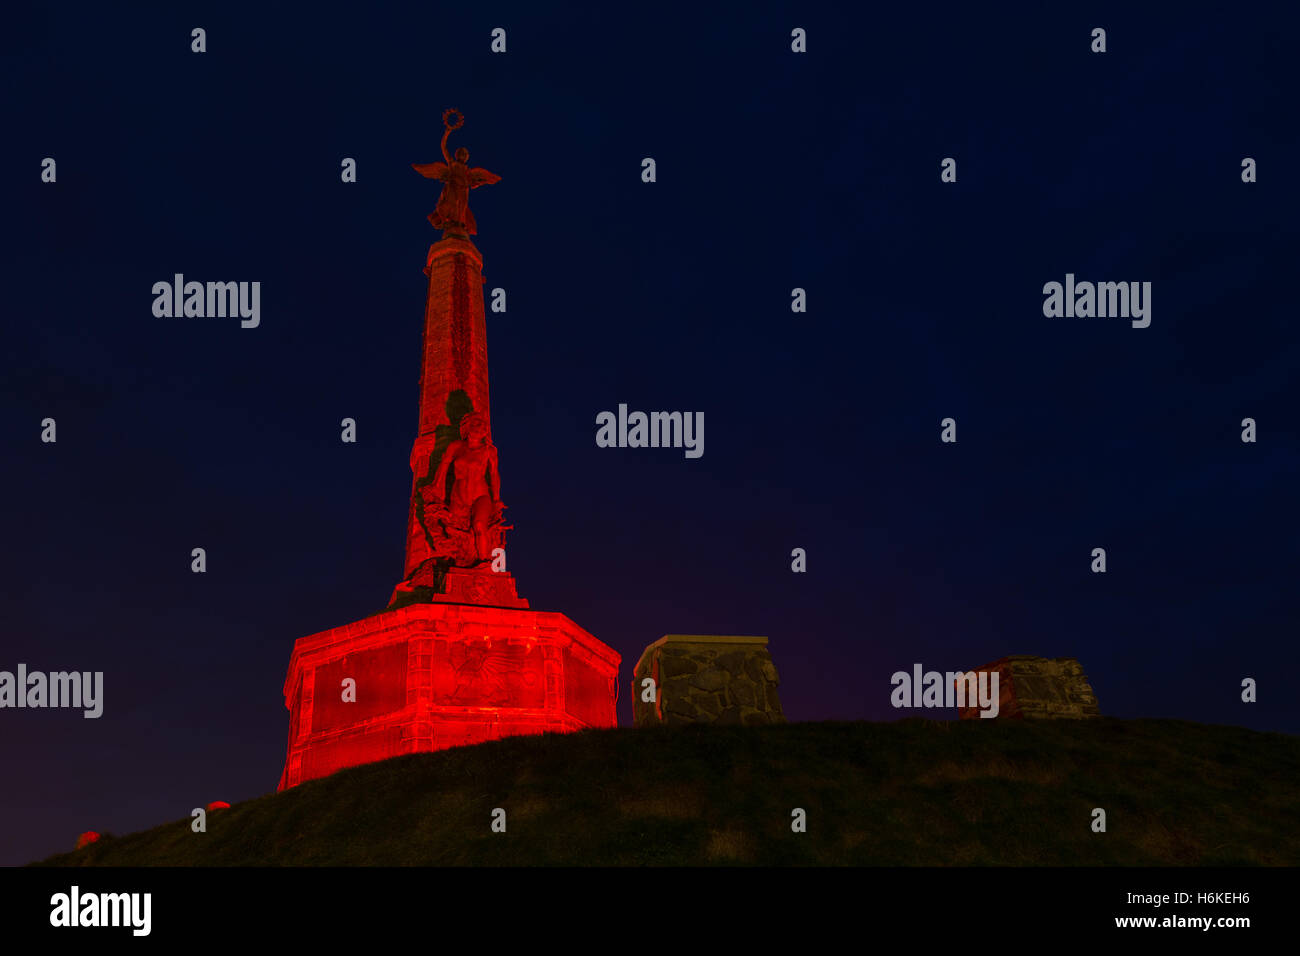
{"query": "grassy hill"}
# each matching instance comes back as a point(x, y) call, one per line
point(913, 792)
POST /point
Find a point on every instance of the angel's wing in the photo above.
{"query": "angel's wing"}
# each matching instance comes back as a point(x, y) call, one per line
point(479, 176)
point(431, 170)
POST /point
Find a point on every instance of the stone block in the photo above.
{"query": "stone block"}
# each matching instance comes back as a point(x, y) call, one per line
point(707, 679)
point(1038, 688)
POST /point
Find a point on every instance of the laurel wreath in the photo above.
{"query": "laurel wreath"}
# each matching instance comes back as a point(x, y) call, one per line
point(460, 119)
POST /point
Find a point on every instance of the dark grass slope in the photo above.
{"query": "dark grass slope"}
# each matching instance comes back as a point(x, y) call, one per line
point(913, 792)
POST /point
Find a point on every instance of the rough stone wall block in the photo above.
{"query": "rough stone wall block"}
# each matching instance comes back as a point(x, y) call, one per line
point(707, 679)
point(1039, 688)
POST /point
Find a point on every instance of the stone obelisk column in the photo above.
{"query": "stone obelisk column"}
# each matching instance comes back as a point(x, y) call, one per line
point(450, 536)
point(454, 372)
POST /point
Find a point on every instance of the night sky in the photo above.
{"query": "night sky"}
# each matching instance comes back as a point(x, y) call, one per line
point(775, 170)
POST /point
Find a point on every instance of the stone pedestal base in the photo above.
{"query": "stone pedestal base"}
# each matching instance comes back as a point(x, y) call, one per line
point(479, 585)
point(1039, 687)
point(431, 676)
point(707, 679)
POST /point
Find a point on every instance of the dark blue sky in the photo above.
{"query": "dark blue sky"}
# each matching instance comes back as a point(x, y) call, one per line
point(775, 170)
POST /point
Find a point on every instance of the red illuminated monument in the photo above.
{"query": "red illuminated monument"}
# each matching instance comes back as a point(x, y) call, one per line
point(457, 657)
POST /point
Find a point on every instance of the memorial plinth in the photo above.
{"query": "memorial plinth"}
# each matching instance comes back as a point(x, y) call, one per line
point(457, 657)
point(431, 676)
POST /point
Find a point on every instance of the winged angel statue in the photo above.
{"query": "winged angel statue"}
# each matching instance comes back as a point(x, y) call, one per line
point(452, 214)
